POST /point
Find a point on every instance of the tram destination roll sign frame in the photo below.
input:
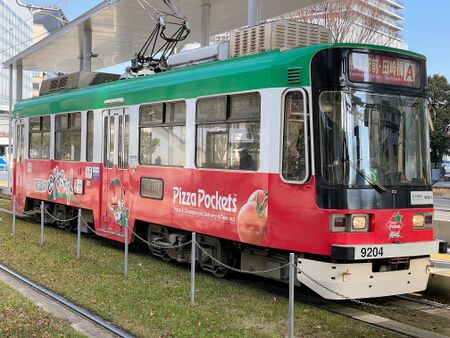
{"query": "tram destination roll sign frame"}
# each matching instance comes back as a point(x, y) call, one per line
point(382, 69)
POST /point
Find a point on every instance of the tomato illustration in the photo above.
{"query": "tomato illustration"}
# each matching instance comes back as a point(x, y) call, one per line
point(252, 218)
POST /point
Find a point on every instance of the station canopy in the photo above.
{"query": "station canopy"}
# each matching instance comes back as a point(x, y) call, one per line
point(120, 28)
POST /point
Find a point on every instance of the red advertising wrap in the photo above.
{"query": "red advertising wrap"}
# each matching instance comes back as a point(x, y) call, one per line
point(376, 68)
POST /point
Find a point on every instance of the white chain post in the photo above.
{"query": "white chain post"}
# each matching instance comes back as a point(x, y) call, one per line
point(291, 295)
point(42, 223)
point(14, 215)
point(193, 244)
point(79, 234)
point(126, 251)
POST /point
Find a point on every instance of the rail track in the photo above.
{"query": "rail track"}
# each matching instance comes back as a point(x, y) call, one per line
point(98, 328)
point(344, 308)
point(381, 320)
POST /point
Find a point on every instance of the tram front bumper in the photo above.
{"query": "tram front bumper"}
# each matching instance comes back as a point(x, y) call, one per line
point(357, 280)
point(390, 250)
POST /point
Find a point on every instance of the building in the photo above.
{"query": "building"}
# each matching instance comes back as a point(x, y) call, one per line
point(16, 33)
point(43, 24)
point(378, 22)
point(366, 21)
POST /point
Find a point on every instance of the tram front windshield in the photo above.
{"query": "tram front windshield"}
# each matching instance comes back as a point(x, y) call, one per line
point(368, 137)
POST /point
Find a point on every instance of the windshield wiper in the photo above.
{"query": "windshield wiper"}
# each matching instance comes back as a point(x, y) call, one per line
point(370, 180)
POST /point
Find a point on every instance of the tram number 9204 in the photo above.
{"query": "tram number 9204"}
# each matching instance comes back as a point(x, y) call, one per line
point(371, 252)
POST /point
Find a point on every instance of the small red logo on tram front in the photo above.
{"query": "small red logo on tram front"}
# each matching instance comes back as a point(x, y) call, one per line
point(394, 225)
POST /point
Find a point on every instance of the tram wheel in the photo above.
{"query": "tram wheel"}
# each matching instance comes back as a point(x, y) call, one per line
point(220, 272)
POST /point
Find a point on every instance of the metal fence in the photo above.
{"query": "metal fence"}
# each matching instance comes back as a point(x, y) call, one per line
point(196, 245)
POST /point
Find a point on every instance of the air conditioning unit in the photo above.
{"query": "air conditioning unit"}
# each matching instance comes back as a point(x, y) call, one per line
point(75, 80)
point(280, 34)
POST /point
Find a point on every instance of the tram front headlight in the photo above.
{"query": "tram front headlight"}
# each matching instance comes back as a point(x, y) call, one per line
point(349, 222)
point(423, 221)
point(360, 222)
point(419, 220)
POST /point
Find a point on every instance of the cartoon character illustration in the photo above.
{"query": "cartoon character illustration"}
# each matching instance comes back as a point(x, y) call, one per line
point(252, 218)
point(116, 202)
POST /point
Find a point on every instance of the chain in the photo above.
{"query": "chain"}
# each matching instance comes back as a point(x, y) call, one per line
point(161, 247)
point(23, 211)
point(206, 253)
point(85, 223)
point(95, 232)
point(60, 220)
point(237, 270)
point(359, 302)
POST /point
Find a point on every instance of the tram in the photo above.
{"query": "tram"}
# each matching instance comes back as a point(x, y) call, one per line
point(322, 151)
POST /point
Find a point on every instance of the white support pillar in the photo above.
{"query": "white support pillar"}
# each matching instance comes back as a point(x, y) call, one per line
point(11, 129)
point(19, 82)
point(254, 13)
point(206, 24)
point(87, 50)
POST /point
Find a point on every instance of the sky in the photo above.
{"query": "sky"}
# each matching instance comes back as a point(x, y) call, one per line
point(427, 31)
point(426, 28)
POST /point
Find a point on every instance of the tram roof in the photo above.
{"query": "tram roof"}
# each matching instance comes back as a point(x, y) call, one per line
point(120, 28)
point(245, 73)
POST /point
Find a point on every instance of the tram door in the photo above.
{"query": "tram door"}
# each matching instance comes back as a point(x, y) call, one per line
point(19, 170)
point(115, 200)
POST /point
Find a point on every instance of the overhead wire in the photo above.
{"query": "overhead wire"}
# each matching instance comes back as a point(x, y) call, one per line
point(17, 25)
point(34, 37)
point(7, 30)
point(21, 43)
point(147, 11)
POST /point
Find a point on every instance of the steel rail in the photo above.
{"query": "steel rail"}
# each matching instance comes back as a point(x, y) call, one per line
point(430, 303)
point(326, 305)
point(67, 304)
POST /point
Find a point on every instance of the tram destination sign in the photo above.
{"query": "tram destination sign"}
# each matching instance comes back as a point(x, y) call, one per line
point(377, 68)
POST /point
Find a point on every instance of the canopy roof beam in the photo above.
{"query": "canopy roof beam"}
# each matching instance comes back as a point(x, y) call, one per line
point(119, 28)
point(205, 24)
point(10, 120)
point(87, 50)
point(254, 13)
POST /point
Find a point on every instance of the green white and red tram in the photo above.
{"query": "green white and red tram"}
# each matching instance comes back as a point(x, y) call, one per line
point(322, 151)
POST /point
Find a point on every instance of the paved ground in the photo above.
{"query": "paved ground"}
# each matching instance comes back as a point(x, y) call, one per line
point(442, 184)
point(442, 204)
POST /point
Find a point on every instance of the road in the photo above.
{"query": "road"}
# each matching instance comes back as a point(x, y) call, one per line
point(3, 178)
point(442, 209)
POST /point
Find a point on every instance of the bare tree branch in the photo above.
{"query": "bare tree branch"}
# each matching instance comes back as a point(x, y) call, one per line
point(357, 21)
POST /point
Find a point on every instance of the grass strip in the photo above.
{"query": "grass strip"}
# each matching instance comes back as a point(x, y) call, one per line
point(19, 317)
point(154, 300)
point(5, 204)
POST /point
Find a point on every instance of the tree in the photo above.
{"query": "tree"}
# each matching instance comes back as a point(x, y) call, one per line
point(357, 21)
point(439, 93)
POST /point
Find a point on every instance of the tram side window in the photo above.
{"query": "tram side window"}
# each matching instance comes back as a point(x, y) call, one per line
point(228, 132)
point(90, 136)
point(294, 144)
point(39, 137)
point(123, 163)
point(19, 142)
point(162, 134)
point(68, 137)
